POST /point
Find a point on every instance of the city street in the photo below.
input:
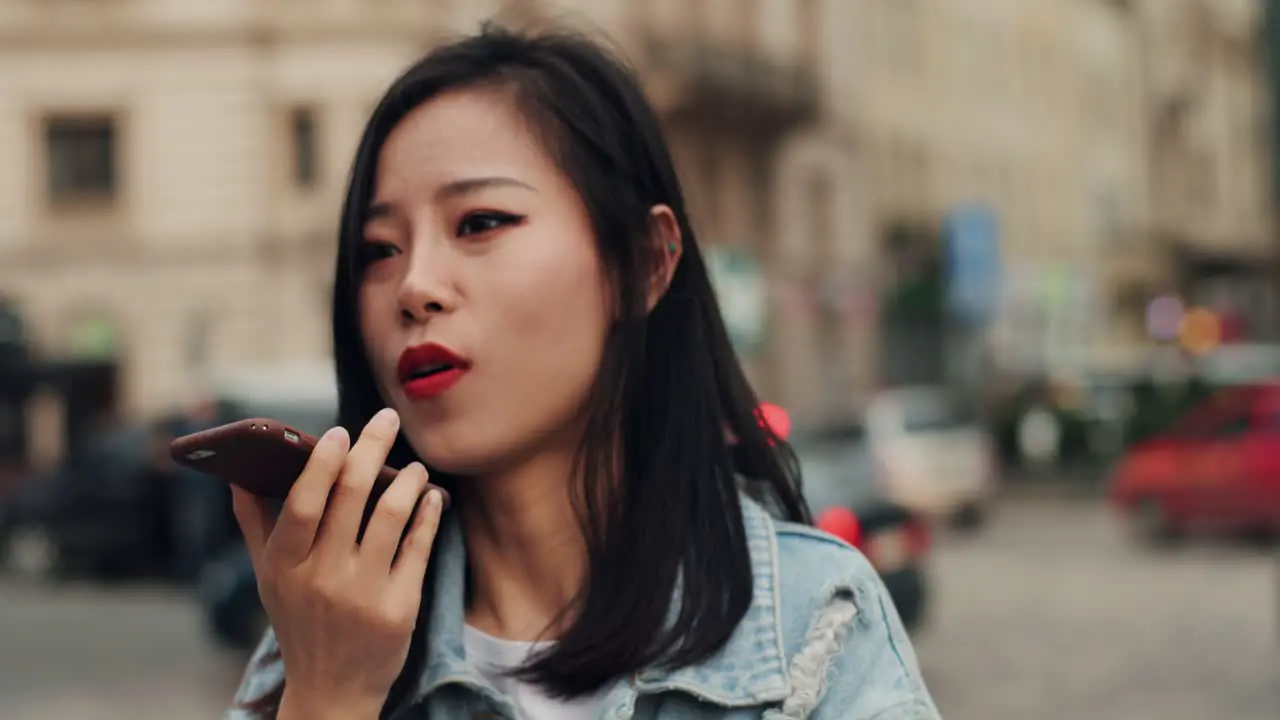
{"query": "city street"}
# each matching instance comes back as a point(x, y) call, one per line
point(1055, 615)
point(1050, 614)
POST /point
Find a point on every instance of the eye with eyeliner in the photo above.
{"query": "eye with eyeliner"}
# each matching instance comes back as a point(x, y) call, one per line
point(483, 222)
point(473, 225)
point(371, 251)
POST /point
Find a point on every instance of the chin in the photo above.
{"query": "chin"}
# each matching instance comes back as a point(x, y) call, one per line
point(447, 455)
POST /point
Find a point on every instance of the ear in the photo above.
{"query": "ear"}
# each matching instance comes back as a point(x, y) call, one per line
point(667, 244)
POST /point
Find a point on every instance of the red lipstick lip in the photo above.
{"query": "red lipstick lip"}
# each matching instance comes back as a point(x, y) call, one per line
point(417, 357)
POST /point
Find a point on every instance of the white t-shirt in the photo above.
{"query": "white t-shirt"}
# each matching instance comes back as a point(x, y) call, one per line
point(494, 657)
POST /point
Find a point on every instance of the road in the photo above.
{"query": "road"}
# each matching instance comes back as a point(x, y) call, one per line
point(107, 655)
point(1055, 615)
point(1050, 613)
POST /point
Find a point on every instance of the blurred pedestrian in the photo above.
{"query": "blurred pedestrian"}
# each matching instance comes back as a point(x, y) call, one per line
point(521, 306)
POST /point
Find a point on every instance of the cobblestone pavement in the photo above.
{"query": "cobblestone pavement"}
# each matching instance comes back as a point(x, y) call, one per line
point(1054, 614)
point(107, 654)
point(1048, 614)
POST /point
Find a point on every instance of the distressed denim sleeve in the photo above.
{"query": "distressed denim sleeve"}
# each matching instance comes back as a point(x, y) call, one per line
point(264, 673)
point(873, 673)
point(855, 661)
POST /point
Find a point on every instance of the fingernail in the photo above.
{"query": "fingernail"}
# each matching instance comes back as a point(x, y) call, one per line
point(434, 499)
point(332, 436)
point(387, 418)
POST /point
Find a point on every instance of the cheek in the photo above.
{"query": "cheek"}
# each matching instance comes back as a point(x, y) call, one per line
point(555, 320)
point(562, 298)
point(377, 322)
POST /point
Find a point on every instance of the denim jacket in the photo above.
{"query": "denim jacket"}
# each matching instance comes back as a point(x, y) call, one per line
point(821, 640)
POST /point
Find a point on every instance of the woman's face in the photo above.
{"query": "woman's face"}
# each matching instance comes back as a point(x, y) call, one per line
point(480, 257)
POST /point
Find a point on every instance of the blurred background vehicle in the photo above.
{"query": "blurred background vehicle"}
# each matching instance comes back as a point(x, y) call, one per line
point(839, 474)
point(1074, 427)
point(118, 507)
point(1217, 470)
point(101, 513)
point(931, 452)
point(1078, 426)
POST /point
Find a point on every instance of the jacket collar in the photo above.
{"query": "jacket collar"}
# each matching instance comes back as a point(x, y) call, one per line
point(749, 670)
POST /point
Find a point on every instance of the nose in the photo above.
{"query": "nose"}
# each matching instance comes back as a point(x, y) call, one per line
point(425, 291)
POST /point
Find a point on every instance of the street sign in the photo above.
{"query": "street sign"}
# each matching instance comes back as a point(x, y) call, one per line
point(974, 269)
point(743, 295)
point(94, 338)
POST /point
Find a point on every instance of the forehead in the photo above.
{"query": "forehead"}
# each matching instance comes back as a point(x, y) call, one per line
point(460, 133)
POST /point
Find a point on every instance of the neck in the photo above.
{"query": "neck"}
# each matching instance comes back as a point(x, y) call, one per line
point(527, 556)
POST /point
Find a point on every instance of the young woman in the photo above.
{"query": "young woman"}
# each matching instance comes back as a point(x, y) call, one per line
point(520, 306)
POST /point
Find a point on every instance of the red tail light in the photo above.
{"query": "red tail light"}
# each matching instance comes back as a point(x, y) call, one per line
point(919, 538)
point(775, 419)
point(842, 523)
point(892, 548)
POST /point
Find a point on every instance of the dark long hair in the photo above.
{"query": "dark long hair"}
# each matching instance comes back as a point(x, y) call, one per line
point(668, 387)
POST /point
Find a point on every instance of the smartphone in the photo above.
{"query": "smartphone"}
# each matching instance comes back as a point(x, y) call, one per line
point(261, 455)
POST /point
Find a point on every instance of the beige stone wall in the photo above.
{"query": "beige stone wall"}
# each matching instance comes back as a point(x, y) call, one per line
point(206, 202)
point(1208, 84)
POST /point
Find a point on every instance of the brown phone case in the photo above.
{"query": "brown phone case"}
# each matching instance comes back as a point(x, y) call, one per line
point(261, 455)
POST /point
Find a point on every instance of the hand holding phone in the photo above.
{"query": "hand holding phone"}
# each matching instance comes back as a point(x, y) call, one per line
point(343, 601)
point(261, 455)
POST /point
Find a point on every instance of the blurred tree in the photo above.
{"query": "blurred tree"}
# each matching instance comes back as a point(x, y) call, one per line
point(13, 339)
point(912, 309)
point(919, 295)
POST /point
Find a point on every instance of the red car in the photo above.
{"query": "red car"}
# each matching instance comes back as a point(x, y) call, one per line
point(1217, 470)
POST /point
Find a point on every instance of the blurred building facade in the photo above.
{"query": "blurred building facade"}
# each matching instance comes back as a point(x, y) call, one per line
point(1030, 111)
point(171, 171)
point(1209, 149)
point(1122, 145)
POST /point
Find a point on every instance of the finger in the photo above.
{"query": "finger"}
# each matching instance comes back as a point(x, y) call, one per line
point(304, 507)
point(350, 494)
point(410, 568)
point(255, 520)
point(391, 520)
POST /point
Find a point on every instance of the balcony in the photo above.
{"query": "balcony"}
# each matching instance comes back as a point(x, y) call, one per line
point(732, 89)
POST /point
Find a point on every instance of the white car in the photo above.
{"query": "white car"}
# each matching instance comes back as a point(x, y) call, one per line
point(931, 453)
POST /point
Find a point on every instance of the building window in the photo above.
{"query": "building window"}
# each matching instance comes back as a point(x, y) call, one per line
point(901, 35)
point(302, 133)
point(199, 338)
point(81, 156)
point(1205, 183)
point(822, 229)
point(1108, 210)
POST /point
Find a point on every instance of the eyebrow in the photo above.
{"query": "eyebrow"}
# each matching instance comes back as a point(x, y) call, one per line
point(455, 189)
